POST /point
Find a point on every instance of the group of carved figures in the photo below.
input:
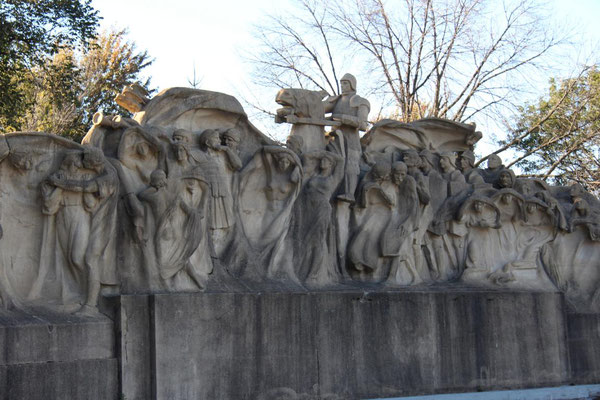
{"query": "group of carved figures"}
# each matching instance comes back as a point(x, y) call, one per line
point(144, 207)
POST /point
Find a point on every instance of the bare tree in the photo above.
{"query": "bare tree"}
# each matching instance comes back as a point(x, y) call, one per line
point(427, 58)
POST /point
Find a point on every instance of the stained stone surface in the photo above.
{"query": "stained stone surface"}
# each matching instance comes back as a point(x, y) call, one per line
point(55, 356)
point(584, 347)
point(347, 344)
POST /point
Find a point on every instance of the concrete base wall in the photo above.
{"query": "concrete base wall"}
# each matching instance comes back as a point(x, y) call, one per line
point(343, 345)
point(52, 356)
point(334, 345)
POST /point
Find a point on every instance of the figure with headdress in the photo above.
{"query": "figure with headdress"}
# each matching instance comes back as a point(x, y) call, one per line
point(218, 159)
point(494, 167)
point(352, 111)
point(467, 166)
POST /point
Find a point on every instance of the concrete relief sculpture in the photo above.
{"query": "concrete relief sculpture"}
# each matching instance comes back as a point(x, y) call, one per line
point(188, 195)
point(67, 250)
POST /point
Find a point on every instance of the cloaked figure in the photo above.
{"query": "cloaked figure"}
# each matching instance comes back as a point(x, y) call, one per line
point(314, 228)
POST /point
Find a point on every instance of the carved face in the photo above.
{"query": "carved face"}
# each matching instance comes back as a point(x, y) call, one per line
point(230, 142)
point(445, 164)
point(72, 162)
point(283, 163)
point(142, 149)
point(93, 159)
point(180, 151)
point(181, 135)
point(478, 206)
point(425, 166)
point(213, 141)
point(398, 176)
point(346, 87)
point(505, 180)
point(325, 163)
point(411, 159)
point(494, 162)
point(465, 165)
point(380, 177)
point(531, 208)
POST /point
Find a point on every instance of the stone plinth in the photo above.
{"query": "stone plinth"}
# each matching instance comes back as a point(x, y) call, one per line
point(353, 345)
point(54, 356)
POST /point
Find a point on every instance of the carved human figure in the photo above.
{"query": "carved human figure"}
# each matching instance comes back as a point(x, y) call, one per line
point(494, 167)
point(178, 230)
point(456, 180)
point(402, 228)
point(214, 167)
point(583, 213)
point(185, 155)
point(506, 179)
point(157, 194)
point(288, 176)
point(82, 194)
point(479, 214)
point(317, 259)
point(217, 166)
point(231, 138)
point(438, 192)
point(412, 160)
point(67, 228)
point(472, 174)
point(446, 242)
point(352, 111)
point(371, 214)
point(269, 185)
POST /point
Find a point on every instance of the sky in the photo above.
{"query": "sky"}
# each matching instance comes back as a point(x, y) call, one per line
point(210, 37)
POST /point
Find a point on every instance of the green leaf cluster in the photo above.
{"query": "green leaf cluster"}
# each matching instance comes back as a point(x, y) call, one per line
point(563, 131)
point(57, 72)
point(30, 32)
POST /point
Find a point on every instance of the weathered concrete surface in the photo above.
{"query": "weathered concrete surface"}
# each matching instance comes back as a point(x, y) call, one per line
point(46, 356)
point(354, 345)
point(584, 347)
point(136, 351)
point(82, 379)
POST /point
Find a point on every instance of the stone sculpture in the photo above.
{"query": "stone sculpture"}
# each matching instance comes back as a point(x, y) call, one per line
point(352, 112)
point(187, 195)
